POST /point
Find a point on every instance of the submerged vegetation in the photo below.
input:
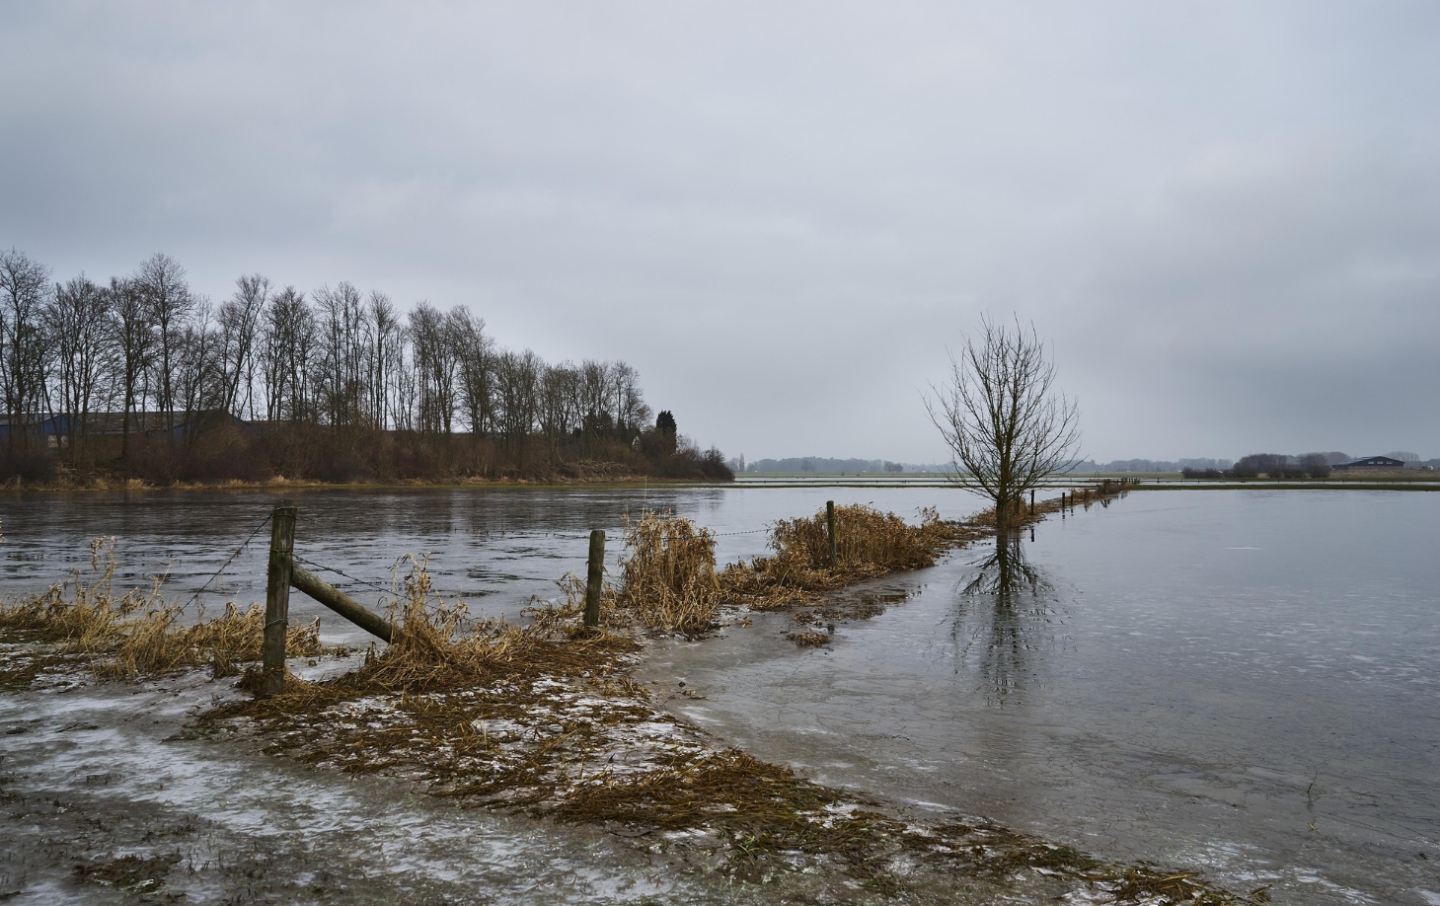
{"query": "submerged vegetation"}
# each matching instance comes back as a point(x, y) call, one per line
point(545, 718)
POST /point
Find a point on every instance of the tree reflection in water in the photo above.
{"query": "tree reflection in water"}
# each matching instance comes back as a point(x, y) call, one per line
point(1001, 611)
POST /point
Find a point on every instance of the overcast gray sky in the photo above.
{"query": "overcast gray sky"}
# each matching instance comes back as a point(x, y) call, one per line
point(1226, 216)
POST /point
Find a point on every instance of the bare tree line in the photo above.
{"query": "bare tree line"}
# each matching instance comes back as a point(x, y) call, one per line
point(91, 370)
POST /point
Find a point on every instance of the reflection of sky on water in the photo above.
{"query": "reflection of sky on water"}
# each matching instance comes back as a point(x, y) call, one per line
point(1192, 678)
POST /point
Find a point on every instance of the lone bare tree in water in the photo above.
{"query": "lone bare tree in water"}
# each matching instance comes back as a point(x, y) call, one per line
point(1005, 423)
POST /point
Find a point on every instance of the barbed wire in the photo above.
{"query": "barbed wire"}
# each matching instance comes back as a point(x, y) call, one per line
point(579, 536)
point(392, 592)
point(231, 559)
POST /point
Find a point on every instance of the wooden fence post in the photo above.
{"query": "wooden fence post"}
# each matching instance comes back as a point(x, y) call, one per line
point(594, 576)
point(830, 525)
point(277, 598)
point(1032, 501)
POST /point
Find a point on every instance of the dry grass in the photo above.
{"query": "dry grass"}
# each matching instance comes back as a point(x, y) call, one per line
point(438, 647)
point(865, 540)
point(868, 543)
point(138, 633)
point(668, 581)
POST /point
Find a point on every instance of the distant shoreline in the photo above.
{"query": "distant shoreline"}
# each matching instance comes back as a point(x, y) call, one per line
point(300, 485)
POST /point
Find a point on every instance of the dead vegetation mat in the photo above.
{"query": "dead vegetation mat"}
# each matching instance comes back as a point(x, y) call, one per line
point(547, 722)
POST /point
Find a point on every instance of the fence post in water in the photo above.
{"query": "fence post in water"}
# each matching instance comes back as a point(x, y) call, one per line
point(593, 578)
point(830, 526)
point(1032, 501)
point(277, 598)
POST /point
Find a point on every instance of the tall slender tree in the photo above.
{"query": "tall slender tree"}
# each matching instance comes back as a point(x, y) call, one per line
point(238, 321)
point(82, 345)
point(24, 290)
point(161, 280)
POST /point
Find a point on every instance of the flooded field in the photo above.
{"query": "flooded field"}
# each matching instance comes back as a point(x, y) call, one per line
point(1242, 682)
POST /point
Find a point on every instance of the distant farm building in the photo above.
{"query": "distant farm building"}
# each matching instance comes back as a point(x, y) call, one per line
point(1370, 463)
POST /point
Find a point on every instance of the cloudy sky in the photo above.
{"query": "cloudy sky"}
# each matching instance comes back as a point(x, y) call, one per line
point(1225, 216)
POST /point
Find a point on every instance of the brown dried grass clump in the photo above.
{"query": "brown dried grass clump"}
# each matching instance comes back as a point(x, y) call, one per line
point(138, 634)
point(865, 540)
point(868, 543)
point(437, 647)
point(668, 581)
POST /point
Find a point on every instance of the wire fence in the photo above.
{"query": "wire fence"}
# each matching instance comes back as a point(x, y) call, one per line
point(228, 560)
point(392, 590)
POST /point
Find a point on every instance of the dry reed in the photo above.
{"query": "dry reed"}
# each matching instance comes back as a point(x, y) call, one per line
point(868, 543)
point(138, 633)
point(668, 581)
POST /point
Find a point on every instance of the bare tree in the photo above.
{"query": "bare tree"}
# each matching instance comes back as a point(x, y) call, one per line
point(384, 345)
point(559, 403)
point(341, 364)
point(199, 381)
point(436, 365)
point(476, 353)
point(594, 402)
point(517, 386)
point(161, 280)
point(239, 324)
point(631, 413)
point(77, 325)
point(135, 341)
point(24, 288)
point(289, 336)
point(1005, 423)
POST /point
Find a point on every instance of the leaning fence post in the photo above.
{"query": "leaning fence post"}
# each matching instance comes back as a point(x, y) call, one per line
point(830, 527)
point(593, 578)
point(277, 598)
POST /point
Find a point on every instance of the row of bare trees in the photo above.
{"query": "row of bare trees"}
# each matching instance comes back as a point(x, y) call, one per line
point(88, 367)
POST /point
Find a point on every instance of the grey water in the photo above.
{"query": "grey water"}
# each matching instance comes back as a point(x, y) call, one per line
point(1242, 682)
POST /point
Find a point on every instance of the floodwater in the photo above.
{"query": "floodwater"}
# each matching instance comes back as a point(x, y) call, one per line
point(1242, 682)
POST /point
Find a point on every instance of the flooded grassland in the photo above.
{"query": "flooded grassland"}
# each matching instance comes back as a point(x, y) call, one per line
point(620, 783)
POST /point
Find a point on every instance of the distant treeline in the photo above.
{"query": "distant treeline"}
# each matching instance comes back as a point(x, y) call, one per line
point(1304, 465)
point(143, 377)
point(822, 464)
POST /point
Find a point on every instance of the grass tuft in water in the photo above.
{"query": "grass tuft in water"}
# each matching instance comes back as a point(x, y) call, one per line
point(139, 634)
